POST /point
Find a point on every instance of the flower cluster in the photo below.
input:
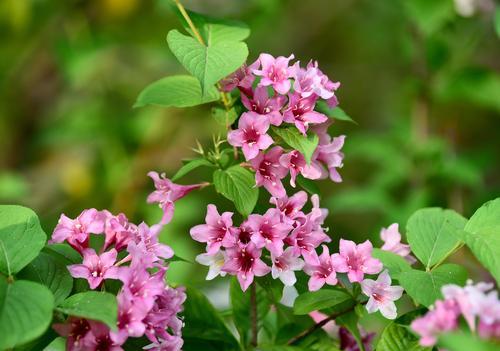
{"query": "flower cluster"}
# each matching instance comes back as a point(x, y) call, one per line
point(478, 304)
point(146, 305)
point(289, 103)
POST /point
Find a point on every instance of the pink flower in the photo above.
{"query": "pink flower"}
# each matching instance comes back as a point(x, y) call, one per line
point(245, 263)
point(269, 171)
point(171, 343)
point(101, 339)
point(295, 162)
point(312, 81)
point(356, 260)
point(268, 231)
point(131, 313)
point(307, 236)
point(275, 72)
point(381, 295)
point(214, 262)
point(320, 269)
point(392, 242)
point(77, 330)
point(76, 231)
point(251, 134)
point(284, 266)
point(290, 207)
point(327, 153)
point(443, 318)
point(146, 243)
point(241, 78)
point(300, 111)
point(96, 268)
point(268, 107)
point(118, 230)
point(167, 193)
point(217, 230)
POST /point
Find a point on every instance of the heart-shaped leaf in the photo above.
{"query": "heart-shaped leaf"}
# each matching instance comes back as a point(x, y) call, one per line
point(395, 264)
point(431, 233)
point(21, 238)
point(211, 62)
point(425, 287)
point(25, 312)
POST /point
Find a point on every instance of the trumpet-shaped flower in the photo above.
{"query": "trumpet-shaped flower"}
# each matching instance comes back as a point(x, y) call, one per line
point(95, 268)
point(251, 134)
point(216, 232)
point(261, 103)
point(356, 260)
point(275, 72)
point(269, 171)
point(381, 295)
point(285, 265)
point(320, 269)
point(300, 111)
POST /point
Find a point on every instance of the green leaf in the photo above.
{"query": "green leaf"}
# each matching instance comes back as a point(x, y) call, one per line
point(64, 251)
point(395, 337)
point(21, 238)
point(99, 306)
point(460, 341)
point(211, 62)
point(425, 287)
point(238, 185)
point(336, 112)
point(308, 185)
point(51, 271)
point(204, 328)
point(240, 303)
point(336, 299)
point(191, 166)
point(395, 264)
point(223, 116)
point(58, 344)
point(482, 236)
point(217, 29)
point(350, 322)
point(176, 91)
point(25, 312)
point(305, 144)
point(431, 234)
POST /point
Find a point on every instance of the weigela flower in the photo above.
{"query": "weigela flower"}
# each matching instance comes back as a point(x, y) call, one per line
point(245, 263)
point(268, 231)
point(242, 78)
point(311, 81)
point(295, 162)
point(76, 231)
point(443, 318)
point(284, 266)
point(118, 231)
point(95, 268)
point(381, 295)
point(300, 111)
point(216, 232)
point(268, 107)
point(320, 269)
point(101, 339)
point(269, 171)
point(356, 260)
point(131, 313)
point(171, 343)
point(392, 242)
point(328, 154)
point(307, 236)
point(275, 72)
point(291, 207)
point(214, 262)
point(167, 193)
point(251, 134)
point(76, 330)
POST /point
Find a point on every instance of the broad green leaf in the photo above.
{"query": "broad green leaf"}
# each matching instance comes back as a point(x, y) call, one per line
point(58, 344)
point(238, 185)
point(308, 185)
point(99, 306)
point(51, 271)
point(176, 91)
point(21, 238)
point(335, 113)
point(215, 28)
point(395, 264)
point(460, 341)
point(240, 303)
point(395, 337)
point(190, 166)
point(25, 312)
point(223, 116)
point(211, 62)
point(336, 299)
point(431, 234)
point(350, 322)
point(425, 287)
point(305, 144)
point(204, 328)
point(430, 15)
point(482, 236)
point(64, 251)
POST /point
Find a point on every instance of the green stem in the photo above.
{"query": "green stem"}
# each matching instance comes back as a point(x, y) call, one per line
point(190, 23)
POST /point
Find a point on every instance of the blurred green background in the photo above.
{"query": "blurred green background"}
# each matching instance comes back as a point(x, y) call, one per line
point(421, 78)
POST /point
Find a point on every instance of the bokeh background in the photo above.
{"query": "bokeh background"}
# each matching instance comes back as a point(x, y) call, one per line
point(420, 77)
